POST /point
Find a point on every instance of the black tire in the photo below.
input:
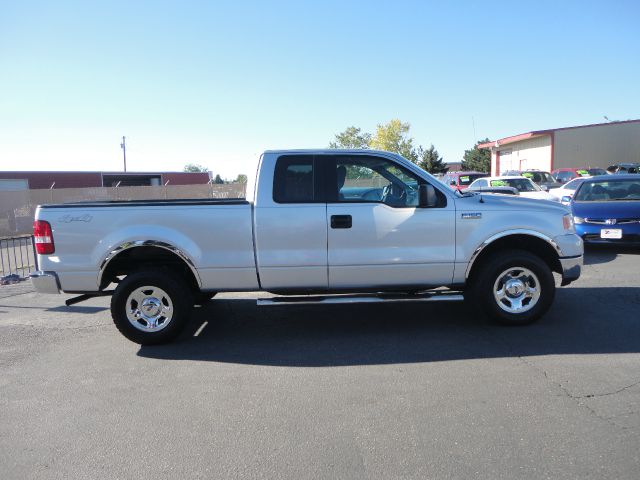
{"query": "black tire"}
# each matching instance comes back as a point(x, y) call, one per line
point(496, 272)
point(201, 298)
point(166, 290)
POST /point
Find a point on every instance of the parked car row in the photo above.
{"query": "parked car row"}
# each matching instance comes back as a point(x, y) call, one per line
point(554, 181)
point(461, 180)
point(543, 179)
point(524, 186)
point(564, 175)
point(605, 207)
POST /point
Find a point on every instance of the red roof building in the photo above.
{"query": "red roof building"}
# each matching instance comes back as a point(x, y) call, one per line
point(584, 146)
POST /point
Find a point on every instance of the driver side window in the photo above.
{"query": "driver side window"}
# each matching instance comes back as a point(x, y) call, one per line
point(375, 179)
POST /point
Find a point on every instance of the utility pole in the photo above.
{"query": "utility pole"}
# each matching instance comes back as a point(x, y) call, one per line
point(123, 146)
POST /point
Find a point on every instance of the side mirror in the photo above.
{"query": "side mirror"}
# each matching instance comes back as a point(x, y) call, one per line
point(566, 200)
point(545, 188)
point(452, 183)
point(427, 196)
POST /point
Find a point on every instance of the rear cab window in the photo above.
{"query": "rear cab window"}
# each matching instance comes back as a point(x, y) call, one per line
point(295, 180)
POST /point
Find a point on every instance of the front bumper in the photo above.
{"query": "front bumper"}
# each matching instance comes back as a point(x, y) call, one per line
point(45, 282)
point(571, 250)
point(590, 233)
point(571, 269)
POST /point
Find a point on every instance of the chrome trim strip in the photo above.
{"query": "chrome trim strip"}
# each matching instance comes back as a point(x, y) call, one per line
point(147, 243)
point(507, 233)
point(611, 222)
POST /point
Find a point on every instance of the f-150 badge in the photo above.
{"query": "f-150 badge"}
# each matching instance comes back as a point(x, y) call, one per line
point(68, 218)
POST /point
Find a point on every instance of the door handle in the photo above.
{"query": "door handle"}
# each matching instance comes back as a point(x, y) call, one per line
point(341, 221)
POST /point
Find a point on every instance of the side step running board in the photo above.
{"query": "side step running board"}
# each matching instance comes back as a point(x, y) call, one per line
point(445, 296)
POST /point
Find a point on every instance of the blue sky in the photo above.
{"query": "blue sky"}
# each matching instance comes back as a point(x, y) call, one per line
point(216, 83)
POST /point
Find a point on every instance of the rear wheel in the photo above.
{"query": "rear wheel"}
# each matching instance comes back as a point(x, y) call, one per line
point(151, 307)
point(514, 288)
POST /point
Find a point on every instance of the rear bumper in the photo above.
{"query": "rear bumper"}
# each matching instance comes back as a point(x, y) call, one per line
point(571, 269)
point(45, 282)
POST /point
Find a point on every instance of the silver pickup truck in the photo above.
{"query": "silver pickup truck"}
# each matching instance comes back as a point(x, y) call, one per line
point(318, 226)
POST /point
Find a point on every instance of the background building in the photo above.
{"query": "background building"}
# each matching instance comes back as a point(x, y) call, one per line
point(454, 166)
point(598, 145)
point(41, 180)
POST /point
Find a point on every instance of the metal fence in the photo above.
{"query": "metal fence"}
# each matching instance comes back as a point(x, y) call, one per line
point(17, 256)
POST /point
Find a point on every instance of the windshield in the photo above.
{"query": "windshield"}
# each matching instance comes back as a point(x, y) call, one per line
point(609, 191)
point(573, 184)
point(546, 177)
point(520, 184)
point(539, 177)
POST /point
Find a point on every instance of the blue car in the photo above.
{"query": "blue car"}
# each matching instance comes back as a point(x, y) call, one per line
point(606, 209)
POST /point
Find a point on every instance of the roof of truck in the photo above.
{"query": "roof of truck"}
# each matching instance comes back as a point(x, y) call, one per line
point(331, 151)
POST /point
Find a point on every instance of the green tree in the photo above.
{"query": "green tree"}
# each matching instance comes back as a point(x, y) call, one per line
point(394, 137)
point(194, 167)
point(478, 159)
point(241, 178)
point(218, 180)
point(352, 137)
point(431, 161)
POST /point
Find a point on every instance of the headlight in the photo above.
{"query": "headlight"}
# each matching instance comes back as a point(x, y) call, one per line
point(578, 220)
point(567, 222)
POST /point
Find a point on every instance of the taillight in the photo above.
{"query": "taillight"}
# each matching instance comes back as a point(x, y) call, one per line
point(43, 237)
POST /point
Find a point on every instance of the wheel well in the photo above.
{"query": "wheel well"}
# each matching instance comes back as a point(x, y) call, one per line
point(534, 245)
point(138, 258)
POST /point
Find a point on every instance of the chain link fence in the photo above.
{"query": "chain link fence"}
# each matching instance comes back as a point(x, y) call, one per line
point(17, 207)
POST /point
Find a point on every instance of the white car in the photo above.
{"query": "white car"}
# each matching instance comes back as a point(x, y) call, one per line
point(524, 185)
point(566, 190)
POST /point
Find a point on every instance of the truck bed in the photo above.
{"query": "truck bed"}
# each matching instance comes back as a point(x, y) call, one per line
point(215, 236)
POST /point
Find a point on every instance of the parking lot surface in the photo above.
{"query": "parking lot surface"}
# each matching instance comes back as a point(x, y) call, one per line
point(360, 391)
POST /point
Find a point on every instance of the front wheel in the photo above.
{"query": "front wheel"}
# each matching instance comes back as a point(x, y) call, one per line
point(151, 307)
point(514, 288)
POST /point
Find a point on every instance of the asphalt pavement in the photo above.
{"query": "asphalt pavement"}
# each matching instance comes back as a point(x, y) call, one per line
point(358, 391)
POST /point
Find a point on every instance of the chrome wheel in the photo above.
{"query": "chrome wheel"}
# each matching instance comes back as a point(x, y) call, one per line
point(517, 290)
point(149, 308)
